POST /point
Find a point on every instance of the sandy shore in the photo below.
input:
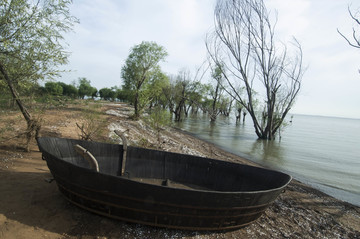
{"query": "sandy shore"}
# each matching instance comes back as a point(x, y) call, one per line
point(32, 208)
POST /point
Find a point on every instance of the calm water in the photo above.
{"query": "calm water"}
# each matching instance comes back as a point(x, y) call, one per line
point(321, 151)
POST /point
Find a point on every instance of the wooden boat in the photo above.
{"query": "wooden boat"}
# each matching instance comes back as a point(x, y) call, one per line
point(160, 188)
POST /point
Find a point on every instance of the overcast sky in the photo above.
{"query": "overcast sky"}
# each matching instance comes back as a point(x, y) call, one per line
point(108, 29)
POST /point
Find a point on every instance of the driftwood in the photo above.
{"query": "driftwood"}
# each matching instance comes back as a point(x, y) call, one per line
point(88, 156)
point(124, 140)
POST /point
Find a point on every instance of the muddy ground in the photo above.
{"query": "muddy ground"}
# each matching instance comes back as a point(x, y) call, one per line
point(32, 208)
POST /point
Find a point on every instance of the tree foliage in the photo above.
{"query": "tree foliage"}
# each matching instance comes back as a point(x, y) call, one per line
point(54, 88)
point(31, 40)
point(244, 45)
point(154, 90)
point(181, 93)
point(108, 93)
point(69, 90)
point(140, 67)
point(158, 119)
point(85, 88)
point(31, 45)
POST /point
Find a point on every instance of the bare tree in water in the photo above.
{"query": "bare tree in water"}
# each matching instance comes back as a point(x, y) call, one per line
point(245, 46)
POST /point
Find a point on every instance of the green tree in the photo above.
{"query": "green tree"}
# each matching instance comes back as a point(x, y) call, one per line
point(158, 119)
point(69, 90)
point(94, 92)
point(85, 88)
point(140, 66)
point(31, 45)
point(120, 94)
point(153, 91)
point(104, 93)
point(188, 91)
point(54, 88)
point(107, 93)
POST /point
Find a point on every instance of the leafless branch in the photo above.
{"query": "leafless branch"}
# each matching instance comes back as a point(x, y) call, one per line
point(355, 35)
point(243, 43)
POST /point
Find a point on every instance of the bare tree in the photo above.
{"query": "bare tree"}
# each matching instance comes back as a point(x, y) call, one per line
point(355, 41)
point(244, 45)
point(215, 91)
point(184, 91)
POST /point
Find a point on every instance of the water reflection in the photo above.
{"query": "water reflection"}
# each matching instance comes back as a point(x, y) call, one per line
point(269, 152)
point(234, 137)
point(237, 138)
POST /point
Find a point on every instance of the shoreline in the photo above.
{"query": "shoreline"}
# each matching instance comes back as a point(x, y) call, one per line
point(344, 194)
point(296, 187)
point(351, 197)
point(32, 208)
point(324, 189)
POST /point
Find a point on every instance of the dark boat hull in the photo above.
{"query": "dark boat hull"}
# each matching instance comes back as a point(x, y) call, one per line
point(226, 195)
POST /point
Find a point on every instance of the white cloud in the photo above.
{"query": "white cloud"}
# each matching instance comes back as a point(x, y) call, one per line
point(292, 16)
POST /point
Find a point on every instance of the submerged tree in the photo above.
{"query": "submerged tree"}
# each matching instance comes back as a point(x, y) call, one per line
point(141, 65)
point(180, 92)
point(216, 93)
point(183, 93)
point(31, 45)
point(244, 45)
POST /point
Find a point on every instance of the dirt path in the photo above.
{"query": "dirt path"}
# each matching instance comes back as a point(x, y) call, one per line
point(32, 208)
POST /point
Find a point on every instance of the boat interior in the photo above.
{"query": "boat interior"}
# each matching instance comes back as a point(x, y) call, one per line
point(166, 169)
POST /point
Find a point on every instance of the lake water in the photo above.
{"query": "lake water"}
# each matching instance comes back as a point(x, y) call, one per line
point(323, 152)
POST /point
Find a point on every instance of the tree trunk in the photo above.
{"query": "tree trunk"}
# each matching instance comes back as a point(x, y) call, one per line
point(33, 126)
point(238, 117)
point(177, 113)
point(15, 95)
point(136, 105)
